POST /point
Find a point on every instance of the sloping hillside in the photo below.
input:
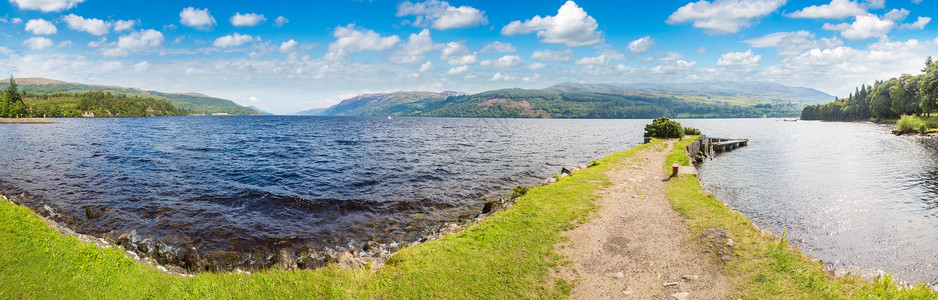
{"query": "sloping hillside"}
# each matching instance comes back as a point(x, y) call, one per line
point(375, 104)
point(193, 102)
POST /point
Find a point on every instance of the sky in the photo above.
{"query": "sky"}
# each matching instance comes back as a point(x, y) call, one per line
point(288, 56)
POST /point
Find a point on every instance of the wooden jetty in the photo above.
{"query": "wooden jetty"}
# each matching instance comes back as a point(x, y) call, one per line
point(720, 145)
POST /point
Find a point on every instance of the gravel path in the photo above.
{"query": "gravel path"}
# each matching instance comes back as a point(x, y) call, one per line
point(637, 246)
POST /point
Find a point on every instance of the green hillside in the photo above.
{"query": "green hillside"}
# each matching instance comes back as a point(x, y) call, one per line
point(194, 103)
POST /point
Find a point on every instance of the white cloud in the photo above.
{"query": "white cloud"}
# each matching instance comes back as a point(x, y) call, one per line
point(668, 55)
point(597, 60)
point(723, 16)
point(648, 60)
point(427, 66)
point(416, 48)
point(916, 1)
point(742, 59)
point(918, 24)
point(136, 41)
point(38, 43)
point(40, 27)
point(142, 66)
point(64, 44)
point(234, 40)
point(46, 5)
point(878, 3)
point(897, 14)
point(498, 47)
point(536, 66)
point(571, 26)
point(548, 55)
point(100, 42)
point(456, 53)
point(671, 67)
point(441, 15)
point(121, 25)
point(280, 21)
point(250, 19)
point(350, 39)
point(288, 46)
point(498, 76)
point(507, 61)
point(196, 18)
point(701, 50)
point(642, 45)
point(837, 9)
point(458, 70)
point(790, 44)
point(92, 26)
point(864, 27)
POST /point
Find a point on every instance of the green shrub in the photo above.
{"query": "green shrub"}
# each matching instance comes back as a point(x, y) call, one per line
point(691, 131)
point(907, 124)
point(663, 128)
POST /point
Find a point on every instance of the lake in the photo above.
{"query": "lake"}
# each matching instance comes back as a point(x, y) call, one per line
point(847, 193)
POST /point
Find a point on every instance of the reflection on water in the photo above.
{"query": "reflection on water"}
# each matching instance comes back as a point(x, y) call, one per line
point(847, 193)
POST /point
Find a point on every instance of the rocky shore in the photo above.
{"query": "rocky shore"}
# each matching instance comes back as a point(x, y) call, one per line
point(25, 121)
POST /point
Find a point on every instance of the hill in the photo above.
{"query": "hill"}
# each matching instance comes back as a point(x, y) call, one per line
point(193, 102)
point(573, 100)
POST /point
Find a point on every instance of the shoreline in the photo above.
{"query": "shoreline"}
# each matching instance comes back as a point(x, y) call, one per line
point(511, 253)
point(26, 121)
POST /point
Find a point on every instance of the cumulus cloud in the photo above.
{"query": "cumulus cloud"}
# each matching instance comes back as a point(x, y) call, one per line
point(441, 15)
point(864, 27)
point(671, 67)
point(349, 39)
point(136, 41)
point(668, 55)
point(427, 66)
point(499, 77)
point(38, 43)
point(642, 45)
point(250, 19)
point(498, 47)
point(788, 44)
point(723, 16)
point(548, 55)
point(507, 61)
point(596, 60)
point(571, 26)
point(458, 70)
point(40, 27)
point(743, 59)
point(199, 19)
point(918, 24)
point(121, 25)
point(456, 53)
point(536, 66)
point(46, 5)
point(416, 48)
point(897, 14)
point(288, 46)
point(234, 40)
point(280, 21)
point(142, 66)
point(837, 9)
point(92, 26)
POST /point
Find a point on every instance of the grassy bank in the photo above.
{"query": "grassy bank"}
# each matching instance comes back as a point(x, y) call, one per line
point(765, 266)
point(510, 255)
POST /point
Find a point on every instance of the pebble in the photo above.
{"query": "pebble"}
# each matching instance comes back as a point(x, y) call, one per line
point(667, 284)
point(680, 296)
point(618, 275)
point(627, 291)
point(729, 242)
point(690, 277)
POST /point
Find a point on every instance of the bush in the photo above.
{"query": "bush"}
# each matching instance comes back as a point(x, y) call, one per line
point(691, 131)
point(907, 124)
point(663, 128)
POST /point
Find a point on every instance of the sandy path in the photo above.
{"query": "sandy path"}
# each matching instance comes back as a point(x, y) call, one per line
point(637, 233)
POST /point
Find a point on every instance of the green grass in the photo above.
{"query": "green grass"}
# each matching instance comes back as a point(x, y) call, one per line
point(508, 256)
point(765, 266)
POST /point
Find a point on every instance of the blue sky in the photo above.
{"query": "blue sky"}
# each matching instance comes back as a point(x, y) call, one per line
point(288, 56)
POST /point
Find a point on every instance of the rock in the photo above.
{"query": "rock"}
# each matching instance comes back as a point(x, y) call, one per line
point(627, 291)
point(667, 284)
point(93, 213)
point(690, 277)
point(729, 242)
point(618, 275)
point(680, 296)
point(192, 260)
point(285, 260)
point(220, 260)
point(124, 239)
point(491, 206)
point(551, 180)
point(370, 245)
point(343, 257)
point(582, 167)
point(566, 170)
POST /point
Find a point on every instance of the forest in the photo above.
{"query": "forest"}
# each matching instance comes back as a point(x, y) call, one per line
point(14, 104)
point(884, 100)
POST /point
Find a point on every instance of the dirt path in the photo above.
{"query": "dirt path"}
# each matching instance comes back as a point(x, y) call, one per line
point(637, 246)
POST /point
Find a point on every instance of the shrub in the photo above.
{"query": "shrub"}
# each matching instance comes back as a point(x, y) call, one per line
point(663, 128)
point(691, 131)
point(907, 124)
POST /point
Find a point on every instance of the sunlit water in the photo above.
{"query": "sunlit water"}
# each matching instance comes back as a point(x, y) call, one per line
point(847, 193)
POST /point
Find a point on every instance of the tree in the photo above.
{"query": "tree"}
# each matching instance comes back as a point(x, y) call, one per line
point(664, 128)
point(928, 85)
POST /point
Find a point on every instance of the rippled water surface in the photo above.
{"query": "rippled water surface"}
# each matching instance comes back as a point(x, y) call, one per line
point(847, 193)
point(240, 183)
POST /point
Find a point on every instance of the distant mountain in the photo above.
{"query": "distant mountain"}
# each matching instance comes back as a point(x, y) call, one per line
point(313, 112)
point(195, 103)
point(575, 100)
point(375, 104)
point(260, 111)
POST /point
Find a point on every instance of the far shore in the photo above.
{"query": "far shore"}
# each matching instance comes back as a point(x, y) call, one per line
point(25, 121)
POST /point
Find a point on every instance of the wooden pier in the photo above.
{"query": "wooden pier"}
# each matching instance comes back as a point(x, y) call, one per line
point(720, 145)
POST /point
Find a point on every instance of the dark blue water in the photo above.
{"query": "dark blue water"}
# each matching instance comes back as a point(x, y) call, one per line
point(248, 183)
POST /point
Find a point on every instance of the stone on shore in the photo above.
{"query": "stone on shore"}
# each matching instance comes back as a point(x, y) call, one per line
point(285, 260)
